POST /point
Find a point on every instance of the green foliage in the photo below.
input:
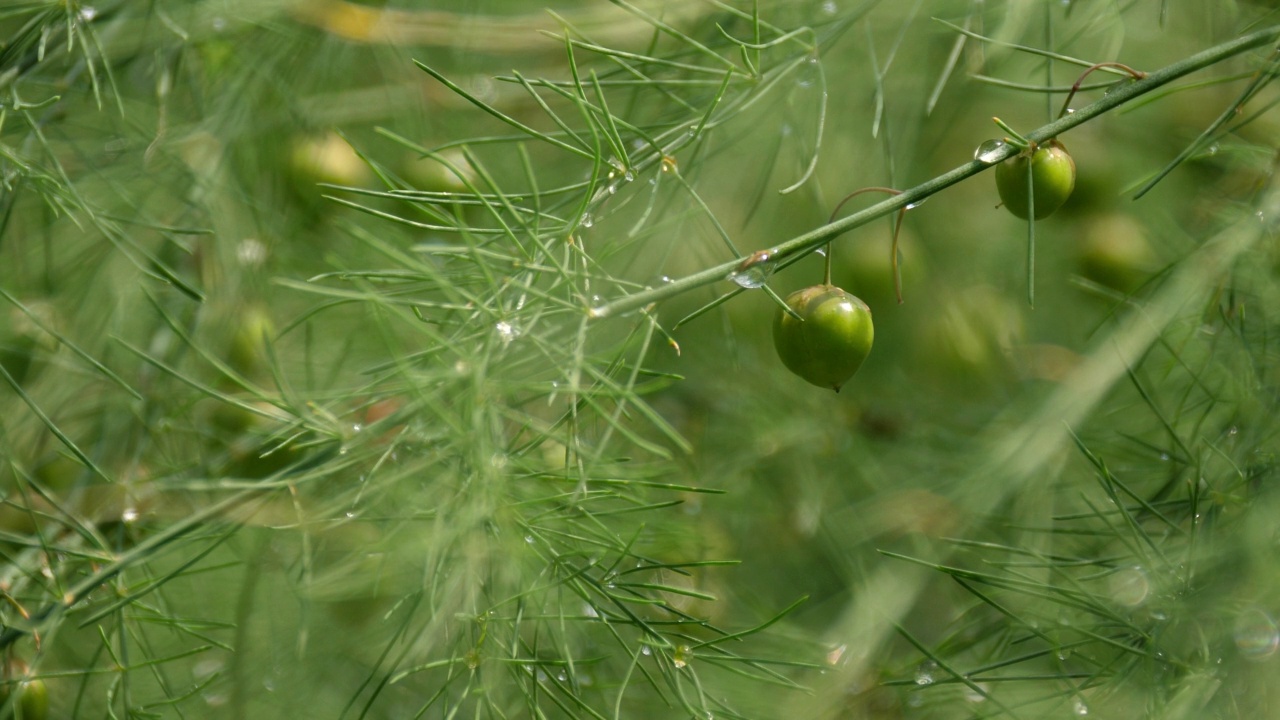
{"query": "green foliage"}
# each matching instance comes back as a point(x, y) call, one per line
point(379, 360)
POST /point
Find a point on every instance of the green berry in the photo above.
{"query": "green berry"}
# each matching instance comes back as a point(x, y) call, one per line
point(1115, 253)
point(1053, 177)
point(32, 703)
point(326, 159)
point(829, 340)
point(248, 352)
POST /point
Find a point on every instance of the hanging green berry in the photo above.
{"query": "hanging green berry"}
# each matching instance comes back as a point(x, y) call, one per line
point(32, 702)
point(1053, 177)
point(827, 338)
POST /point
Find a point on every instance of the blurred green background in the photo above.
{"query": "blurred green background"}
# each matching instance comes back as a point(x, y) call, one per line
point(304, 414)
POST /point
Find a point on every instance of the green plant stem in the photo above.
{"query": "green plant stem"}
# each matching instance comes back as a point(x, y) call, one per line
point(807, 242)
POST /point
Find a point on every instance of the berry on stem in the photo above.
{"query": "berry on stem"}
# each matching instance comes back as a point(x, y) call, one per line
point(827, 338)
point(32, 702)
point(1053, 177)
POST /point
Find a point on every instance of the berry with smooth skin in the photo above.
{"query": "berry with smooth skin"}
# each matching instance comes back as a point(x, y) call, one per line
point(1053, 177)
point(32, 702)
point(829, 340)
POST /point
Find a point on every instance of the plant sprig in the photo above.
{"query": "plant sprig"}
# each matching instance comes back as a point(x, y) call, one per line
point(809, 241)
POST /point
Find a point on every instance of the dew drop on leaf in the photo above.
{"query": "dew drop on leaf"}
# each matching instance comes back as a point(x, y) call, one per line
point(925, 673)
point(1129, 586)
point(1256, 634)
point(973, 695)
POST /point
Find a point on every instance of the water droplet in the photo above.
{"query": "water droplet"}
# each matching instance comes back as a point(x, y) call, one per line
point(821, 252)
point(219, 24)
point(754, 271)
point(357, 427)
point(528, 539)
point(751, 278)
point(129, 515)
point(646, 650)
point(351, 515)
point(973, 696)
point(834, 655)
point(506, 332)
point(1212, 149)
point(916, 204)
point(1129, 586)
point(829, 7)
point(808, 74)
point(251, 252)
point(561, 676)
point(1116, 86)
point(268, 684)
point(989, 151)
point(590, 611)
point(586, 221)
point(682, 656)
point(1256, 634)
point(206, 669)
point(925, 673)
point(88, 13)
point(1079, 707)
point(628, 175)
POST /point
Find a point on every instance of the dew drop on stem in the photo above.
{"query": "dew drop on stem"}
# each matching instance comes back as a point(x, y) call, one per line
point(989, 151)
point(754, 272)
point(925, 673)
